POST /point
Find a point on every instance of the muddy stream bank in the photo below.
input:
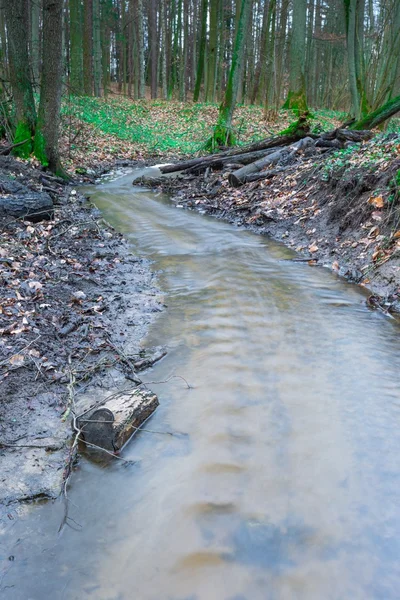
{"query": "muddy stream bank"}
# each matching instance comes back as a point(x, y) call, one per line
point(282, 479)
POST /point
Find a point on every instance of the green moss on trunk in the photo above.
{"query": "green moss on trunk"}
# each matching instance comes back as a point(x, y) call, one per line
point(22, 133)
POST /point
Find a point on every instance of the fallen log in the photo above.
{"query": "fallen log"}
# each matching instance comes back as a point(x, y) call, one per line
point(245, 159)
point(239, 177)
point(267, 144)
point(111, 425)
point(32, 206)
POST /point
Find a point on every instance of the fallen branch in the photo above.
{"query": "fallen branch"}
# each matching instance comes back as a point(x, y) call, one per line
point(239, 177)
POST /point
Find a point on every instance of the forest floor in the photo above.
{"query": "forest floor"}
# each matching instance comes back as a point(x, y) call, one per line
point(74, 305)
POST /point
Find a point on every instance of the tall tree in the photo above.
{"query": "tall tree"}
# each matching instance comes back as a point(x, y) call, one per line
point(202, 49)
point(212, 51)
point(88, 47)
point(296, 98)
point(76, 37)
point(153, 48)
point(47, 129)
point(223, 135)
point(17, 21)
point(97, 70)
point(35, 40)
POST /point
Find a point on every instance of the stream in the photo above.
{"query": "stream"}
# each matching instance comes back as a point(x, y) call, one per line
point(283, 481)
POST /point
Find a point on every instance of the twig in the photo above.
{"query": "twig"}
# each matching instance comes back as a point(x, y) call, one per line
point(166, 381)
point(126, 360)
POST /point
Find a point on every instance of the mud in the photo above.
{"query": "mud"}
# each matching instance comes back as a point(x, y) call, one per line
point(75, 304)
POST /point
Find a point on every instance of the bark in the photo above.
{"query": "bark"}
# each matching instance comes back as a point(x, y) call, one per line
point(212, 51)
point(76, 33)
point(297, 99)
point(47, 130)
point(97, 70)
point(17, 19)
point(35, 41)
point(202, 49)
point(32, 206)
point(88, 47)
point(111, 425)
point(153, 48)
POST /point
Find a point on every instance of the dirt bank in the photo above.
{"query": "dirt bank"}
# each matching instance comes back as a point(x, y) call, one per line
point(342, 211)
point(75, 304)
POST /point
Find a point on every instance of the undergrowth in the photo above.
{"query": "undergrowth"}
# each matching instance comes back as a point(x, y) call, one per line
point(159, 127)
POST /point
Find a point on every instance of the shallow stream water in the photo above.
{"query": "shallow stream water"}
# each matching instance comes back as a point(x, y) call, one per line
point(284, 479)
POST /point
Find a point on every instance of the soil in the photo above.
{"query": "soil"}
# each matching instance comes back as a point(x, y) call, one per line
point(75, 304)
point(340, 213)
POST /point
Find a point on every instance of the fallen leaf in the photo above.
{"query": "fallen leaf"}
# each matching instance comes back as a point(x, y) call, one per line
point(313, 248)
point(17, 360)
point(377, 201)
point(335, 266)
point(35, 285)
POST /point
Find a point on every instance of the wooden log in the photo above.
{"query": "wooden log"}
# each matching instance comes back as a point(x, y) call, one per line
point(266, 144)
point(33, 206)
point(111, 425)
point(238, 178)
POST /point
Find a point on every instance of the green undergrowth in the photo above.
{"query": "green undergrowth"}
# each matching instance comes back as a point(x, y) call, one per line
point(174, 127)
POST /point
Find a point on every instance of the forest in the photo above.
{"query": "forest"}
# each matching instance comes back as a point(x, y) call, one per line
point(340, 55)
point(199, 299)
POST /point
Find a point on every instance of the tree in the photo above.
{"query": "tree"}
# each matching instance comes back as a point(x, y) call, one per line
point(76, 36)
point(17, 21)
point(354, 17)
point(202, 49)
point(47, 129)
point(223, 135)
point(296, 98)
point(88, 47)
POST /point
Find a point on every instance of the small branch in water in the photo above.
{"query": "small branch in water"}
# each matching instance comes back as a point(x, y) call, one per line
point(166, 381)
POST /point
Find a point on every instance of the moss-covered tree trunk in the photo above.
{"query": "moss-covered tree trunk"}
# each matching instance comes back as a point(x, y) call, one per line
point(378, 116)
point(297, 98)
point(223, 135)
point(47, 130)
point(17, 22)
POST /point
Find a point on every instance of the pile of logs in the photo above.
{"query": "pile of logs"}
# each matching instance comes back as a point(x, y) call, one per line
point(265, 159)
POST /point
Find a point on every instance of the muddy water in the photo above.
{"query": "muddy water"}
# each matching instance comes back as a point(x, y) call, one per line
point(284, 479)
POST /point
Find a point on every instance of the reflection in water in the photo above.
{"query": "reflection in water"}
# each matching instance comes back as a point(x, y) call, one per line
point(286, 485)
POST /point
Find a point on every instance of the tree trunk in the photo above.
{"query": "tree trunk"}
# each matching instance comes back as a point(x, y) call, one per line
point(35, 41)
point(153, 48)
point(223, 131)
point(202, 48)
point(88, 47)
point(76, 36)
point(17, 19)
point(47, 131)
point(296, 98)
point(212, 51)
point(97, 70)
point(378, 116)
